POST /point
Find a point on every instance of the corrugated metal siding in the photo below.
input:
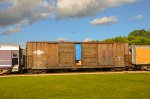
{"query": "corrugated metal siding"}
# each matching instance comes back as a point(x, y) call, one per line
point(89, 54)
point(66, 54)
point(105, 54)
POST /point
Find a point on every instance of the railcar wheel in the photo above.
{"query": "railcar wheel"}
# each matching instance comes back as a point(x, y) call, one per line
point(36, 71)
point(143, 68)
point(30, 71)
point(33, 71)
point(124, 69)
point(5, 71)
point(43, 71)
point(118, 69)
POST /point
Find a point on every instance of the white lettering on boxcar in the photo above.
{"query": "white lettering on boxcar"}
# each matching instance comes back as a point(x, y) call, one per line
point(38, 52)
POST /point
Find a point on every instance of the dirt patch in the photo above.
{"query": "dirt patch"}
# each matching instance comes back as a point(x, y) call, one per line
point(77, 73)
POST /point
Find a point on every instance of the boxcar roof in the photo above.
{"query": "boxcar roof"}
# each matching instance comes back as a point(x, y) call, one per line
point(72, 42)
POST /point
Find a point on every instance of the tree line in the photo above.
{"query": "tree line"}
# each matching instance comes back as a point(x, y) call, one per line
point(136, 37)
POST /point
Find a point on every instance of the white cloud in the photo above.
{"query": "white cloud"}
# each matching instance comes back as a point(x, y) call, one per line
point(62, 39)
point(17, 13)
point(87, 40)
point(17, 28)
point(22, 23)
point(19, 10)
point(83, 8)
point(137, 17)
point(104, 20)
point(39, 16)
point(10, 31)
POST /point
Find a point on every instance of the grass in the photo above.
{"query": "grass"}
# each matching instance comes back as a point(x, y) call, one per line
point(89, 86)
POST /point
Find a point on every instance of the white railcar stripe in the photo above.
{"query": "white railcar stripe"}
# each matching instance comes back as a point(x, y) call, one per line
point(5, 60)
point(9, 47)
point(5, 65)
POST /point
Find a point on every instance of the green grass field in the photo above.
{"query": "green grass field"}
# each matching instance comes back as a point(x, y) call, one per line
point(88, 86)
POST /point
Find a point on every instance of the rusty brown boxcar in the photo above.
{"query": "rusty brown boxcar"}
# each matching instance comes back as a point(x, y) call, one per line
point(62, 55)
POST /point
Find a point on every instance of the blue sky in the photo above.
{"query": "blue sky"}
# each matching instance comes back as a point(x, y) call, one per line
point(123, 17)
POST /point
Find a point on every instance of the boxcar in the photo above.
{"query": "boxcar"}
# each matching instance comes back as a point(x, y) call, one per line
point(141, 56)
point(72, 55)
point(9, 58)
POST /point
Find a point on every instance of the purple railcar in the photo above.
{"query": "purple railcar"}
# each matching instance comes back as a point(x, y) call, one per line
point(9, 58)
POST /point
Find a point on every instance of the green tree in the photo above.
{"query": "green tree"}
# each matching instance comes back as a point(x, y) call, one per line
point(136, 37)
point(141, 33)
point(117, 39)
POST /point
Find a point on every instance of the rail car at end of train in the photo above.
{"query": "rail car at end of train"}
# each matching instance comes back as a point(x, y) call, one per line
point(140, 56)
point(10, 58)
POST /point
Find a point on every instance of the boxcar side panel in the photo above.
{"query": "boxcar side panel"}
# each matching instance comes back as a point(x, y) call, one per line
point(37, 56)
point(121, 52)
point(66, 54)
point(126, 47)
point(89, 54)
point(40, 56)
point(52, 55)
point(105, 54)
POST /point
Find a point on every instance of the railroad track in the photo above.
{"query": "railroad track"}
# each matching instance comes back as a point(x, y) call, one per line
point(73, 73)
